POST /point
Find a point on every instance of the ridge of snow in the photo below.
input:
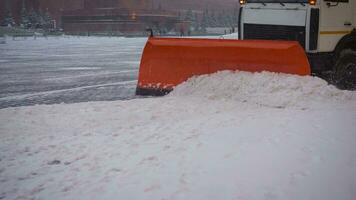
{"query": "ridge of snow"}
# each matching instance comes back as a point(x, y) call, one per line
point(264, 88)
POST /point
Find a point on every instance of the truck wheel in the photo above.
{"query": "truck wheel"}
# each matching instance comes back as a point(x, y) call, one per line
point(345, 70)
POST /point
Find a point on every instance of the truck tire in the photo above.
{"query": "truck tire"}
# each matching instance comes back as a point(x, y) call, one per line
point(345, 70)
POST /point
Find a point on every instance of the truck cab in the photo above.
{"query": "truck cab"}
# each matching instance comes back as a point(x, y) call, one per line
point(326, 29)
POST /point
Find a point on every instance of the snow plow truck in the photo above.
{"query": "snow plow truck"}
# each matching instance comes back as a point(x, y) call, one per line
point(302, 37)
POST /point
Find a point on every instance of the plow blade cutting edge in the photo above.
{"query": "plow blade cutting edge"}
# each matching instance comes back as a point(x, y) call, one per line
point(167, 62)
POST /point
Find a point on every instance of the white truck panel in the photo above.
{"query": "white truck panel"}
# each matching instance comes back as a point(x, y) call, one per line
point(328, 42)
point(275, 17)
point(332, 24)
point(334, 17)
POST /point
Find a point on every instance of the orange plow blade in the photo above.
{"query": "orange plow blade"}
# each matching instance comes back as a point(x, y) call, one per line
point(167, 62)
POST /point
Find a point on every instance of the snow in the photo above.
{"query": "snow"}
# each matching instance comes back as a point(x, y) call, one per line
point(222, 136)
point(68, 69)
point(266, 88)
point(231, 36)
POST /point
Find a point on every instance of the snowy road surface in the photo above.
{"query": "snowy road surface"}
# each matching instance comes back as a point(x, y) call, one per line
point(68, 69)
point(226, 136)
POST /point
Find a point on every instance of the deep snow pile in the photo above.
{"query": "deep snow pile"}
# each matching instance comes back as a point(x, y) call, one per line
point(212, 138)
point(266, 88)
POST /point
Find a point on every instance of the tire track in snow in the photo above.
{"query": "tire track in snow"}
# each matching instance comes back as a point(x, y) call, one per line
point(18, 97)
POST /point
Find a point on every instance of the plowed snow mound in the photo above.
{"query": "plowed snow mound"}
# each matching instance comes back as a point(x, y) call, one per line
point(265, 88)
